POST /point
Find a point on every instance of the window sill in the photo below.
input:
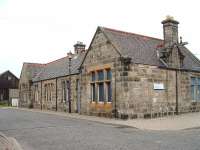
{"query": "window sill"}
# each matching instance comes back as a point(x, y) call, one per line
point(108, 80)
point(94, 102)
point(99, 81)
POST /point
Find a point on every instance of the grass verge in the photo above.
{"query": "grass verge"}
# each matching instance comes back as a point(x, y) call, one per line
point(3, 104)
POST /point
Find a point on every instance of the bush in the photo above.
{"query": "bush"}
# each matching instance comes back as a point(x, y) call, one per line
point(3, 103)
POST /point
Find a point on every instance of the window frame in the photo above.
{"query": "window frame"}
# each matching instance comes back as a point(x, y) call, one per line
point(65, 91)
point(93, 92)
point(36, 94)
point(195, 89)
point(108, 74)
point(101, 98)
point(100, 75)
point(99, 81)
point(109, 92)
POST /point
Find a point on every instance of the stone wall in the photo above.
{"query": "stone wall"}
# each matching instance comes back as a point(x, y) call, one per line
point(56, 102)
point(64, 106)
point(25, 94)
point(140, 99)
point(25, 84)
point(101, 55)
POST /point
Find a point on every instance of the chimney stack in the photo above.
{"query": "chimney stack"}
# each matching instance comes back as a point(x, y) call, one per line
point(79, 47)
point(170, 30)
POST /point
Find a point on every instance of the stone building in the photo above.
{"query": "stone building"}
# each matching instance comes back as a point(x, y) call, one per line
point(121, 74)
point(54, 85)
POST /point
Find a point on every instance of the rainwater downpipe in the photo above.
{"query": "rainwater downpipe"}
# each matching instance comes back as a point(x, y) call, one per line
point(41, 96)
point(56, 96)
point(177, 93)
point(115, 91)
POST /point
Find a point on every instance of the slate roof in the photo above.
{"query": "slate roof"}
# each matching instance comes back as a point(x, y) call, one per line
point(32, 69)
point(143, 49)
point(59, 68)
point(191, 62)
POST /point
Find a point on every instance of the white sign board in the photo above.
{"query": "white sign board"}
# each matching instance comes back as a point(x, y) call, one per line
point(15, 102)
point(158, 86)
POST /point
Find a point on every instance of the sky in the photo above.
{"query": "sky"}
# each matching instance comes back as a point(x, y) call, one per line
point(44, 30)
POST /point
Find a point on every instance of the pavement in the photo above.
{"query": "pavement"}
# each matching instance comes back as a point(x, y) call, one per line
point(169, 123)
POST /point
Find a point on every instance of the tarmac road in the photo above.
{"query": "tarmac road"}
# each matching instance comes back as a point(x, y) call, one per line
point(42, 131)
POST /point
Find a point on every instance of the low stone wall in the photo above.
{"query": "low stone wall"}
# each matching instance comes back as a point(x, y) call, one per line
point(153, 110)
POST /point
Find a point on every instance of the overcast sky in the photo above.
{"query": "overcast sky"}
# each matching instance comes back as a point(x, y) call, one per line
point(45, 30)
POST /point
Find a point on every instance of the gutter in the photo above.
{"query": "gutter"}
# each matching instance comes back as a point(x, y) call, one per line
point(54, 77)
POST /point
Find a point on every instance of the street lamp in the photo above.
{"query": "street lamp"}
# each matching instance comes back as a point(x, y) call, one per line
point(70, 58)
